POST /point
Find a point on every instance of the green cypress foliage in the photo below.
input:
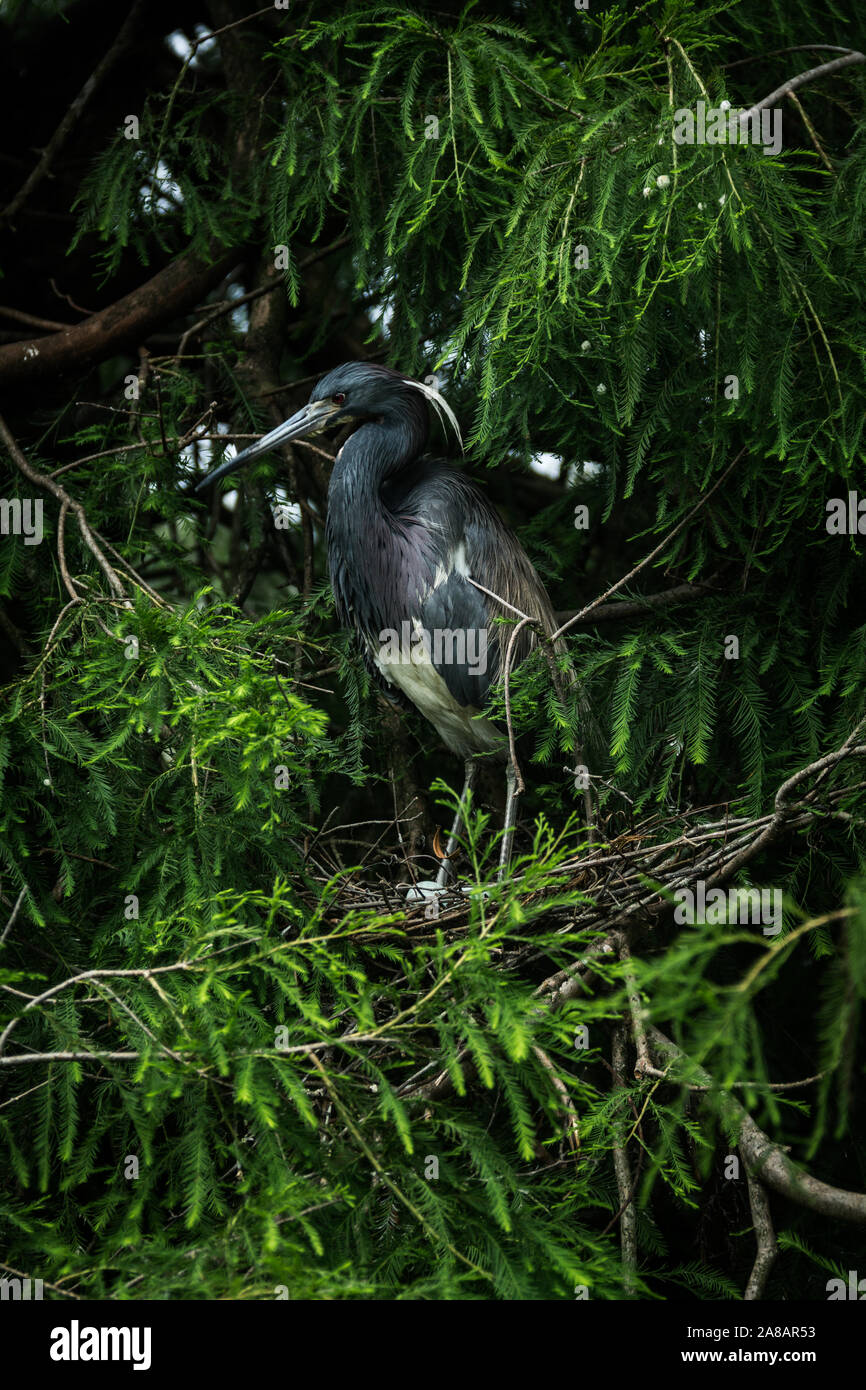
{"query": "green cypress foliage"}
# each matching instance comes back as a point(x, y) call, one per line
point(234, 1060)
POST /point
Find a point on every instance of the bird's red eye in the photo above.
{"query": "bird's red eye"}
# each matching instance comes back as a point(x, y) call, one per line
point(339, 398)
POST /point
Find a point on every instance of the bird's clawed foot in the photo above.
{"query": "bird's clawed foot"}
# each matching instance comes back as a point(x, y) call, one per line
point(429, 892)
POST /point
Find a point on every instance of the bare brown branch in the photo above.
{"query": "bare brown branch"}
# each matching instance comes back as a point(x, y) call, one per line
point(125, 323)
point(764, 1158)
point(762, 1220)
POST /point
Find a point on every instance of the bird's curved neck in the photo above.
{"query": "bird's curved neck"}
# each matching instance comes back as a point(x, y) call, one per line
point(367, 531)
point(376, 451)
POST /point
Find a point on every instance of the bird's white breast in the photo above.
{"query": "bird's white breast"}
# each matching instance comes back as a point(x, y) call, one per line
point(415, 675)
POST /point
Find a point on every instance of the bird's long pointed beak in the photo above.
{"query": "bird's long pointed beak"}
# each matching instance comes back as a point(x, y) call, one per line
point(310, 419)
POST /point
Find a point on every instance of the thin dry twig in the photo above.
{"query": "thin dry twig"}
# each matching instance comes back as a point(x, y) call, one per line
point(572, 1124)
point(61, 134)
point(14, 914)
point(644, 1059)
point(622, 1168)
point(42, 480)
point(813, 134)
point(648, 559)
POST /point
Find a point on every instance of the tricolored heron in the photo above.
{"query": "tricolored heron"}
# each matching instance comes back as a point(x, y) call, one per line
point(407, 534)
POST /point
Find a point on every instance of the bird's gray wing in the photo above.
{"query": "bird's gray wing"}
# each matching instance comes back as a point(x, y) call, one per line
point(467, 641)
point(457, 632)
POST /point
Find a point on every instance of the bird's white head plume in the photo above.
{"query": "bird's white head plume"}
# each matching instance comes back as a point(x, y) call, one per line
point(440, 405)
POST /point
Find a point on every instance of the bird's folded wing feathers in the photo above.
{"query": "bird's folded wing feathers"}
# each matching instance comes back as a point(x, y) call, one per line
point(472, 642)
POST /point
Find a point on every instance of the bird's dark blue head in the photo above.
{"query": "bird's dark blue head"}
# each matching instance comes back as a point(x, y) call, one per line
point(356, 393)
